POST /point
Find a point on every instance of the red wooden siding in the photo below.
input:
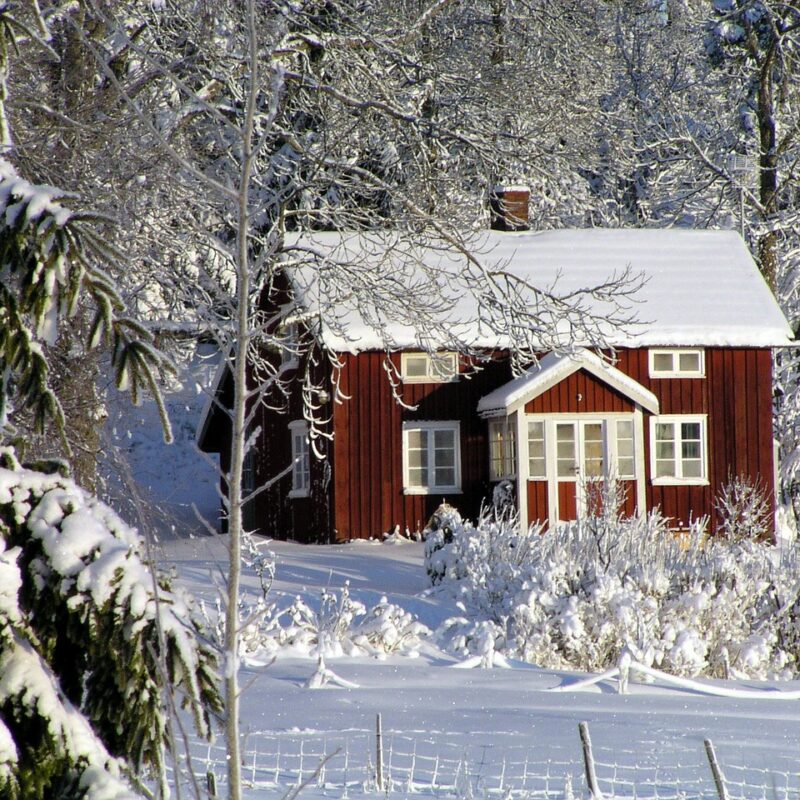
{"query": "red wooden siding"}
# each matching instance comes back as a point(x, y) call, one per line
point(538, 509)
point(579, 393)
point(736, 394)
point(367, 449)
point(364, 496)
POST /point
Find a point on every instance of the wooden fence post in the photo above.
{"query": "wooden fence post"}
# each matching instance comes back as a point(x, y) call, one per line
point(588, 762)
point(378, 754)
point(719, 778)
point(211, 785)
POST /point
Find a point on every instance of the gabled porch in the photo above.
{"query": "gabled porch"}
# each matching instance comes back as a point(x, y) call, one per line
point(572, 420)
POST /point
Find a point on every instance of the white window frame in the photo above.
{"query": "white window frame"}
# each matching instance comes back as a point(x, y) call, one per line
point(613, 446)
point(430, 426)
point(679, 480)
point(610, 454)
point(508, 458)
point(301, 459)
point(546, 447)
point(433, 374)
point(677, 372)
point(289, 347)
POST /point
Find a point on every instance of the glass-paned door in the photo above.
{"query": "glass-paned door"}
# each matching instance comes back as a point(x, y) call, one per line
point(581, 457)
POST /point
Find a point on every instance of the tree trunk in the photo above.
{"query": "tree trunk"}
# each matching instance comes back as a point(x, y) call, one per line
point(239, 413)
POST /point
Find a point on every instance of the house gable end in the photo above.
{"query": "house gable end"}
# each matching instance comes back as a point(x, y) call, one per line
point(552, 371)
point(580, 393)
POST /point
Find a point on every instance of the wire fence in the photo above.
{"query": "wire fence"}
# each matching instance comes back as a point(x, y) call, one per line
point(345, 764)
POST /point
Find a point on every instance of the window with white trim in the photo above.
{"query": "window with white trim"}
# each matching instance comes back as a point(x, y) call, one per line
point(301, 460)
point(625, 464)
point(289, 345)
point(502, 449)
point(537, 463)
point(678, 449)
point(428, 367)
point(677, 363)
point(432, 457)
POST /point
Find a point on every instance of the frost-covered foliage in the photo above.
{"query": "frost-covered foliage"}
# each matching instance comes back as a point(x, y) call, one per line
point(50, 257)
point(337, 626)
point(88, 646)
point(574, 597)
point(743, 509)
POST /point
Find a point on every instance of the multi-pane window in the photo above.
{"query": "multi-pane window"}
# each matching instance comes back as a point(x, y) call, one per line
point(680, 363)
point(593, 450)
point(502, 449)
point(537, 465)
point(290, 345)
point(428, 367)
point(679, 448)
point(301, 461)
point(625, 464)
point(431, 457)
point(566, 450)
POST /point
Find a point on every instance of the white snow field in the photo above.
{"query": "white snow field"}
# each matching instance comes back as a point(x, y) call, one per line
point(471, 733)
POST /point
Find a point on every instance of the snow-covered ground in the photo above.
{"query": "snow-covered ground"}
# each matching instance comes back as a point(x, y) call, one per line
point(174, 482)
point(448, 731)
point(473, 732)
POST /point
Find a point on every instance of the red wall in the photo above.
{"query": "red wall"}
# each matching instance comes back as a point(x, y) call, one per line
point(368, 499)
point(368, 494)
point(358, 491)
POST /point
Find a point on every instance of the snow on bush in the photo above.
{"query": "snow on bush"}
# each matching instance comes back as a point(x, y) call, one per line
point(88, 645)
point(338, 626)
point(574, 597)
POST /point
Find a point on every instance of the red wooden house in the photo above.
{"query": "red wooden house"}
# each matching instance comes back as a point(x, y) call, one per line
point(683, 404)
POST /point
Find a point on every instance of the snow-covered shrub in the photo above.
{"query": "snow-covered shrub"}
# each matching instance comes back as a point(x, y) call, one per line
point(88, 645)
point(574, 597)
point(338, 626)
point(743, 510)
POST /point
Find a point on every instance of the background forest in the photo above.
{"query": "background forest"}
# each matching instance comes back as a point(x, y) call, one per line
point(157, 152)
point(404, 115)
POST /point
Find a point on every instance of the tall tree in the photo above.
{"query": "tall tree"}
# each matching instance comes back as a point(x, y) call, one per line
point(305, 116)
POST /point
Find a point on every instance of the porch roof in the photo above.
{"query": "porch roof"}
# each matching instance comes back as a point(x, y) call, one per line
point(551, 370)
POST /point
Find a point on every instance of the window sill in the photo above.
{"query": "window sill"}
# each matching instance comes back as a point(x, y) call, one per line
point(679, 482)
point(295, 494)
point(410, 490)
point(671, 376)
point(428, 379)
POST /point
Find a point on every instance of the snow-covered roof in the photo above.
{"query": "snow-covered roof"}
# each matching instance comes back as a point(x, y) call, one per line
point(551, 370)
point(701, 287)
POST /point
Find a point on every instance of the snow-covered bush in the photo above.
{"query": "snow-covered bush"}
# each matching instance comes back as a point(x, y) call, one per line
point(574, 597)
point(88, 645)
point(743, 510)
point(338, 626)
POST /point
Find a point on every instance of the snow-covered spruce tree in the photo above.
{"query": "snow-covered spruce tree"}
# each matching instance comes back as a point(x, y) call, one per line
point(90, 640)
point(50, 265)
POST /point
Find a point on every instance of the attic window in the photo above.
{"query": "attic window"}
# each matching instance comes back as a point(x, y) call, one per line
point(677, 363)
point(428, 368)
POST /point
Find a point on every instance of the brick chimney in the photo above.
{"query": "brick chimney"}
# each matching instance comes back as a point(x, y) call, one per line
point(508, 207)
